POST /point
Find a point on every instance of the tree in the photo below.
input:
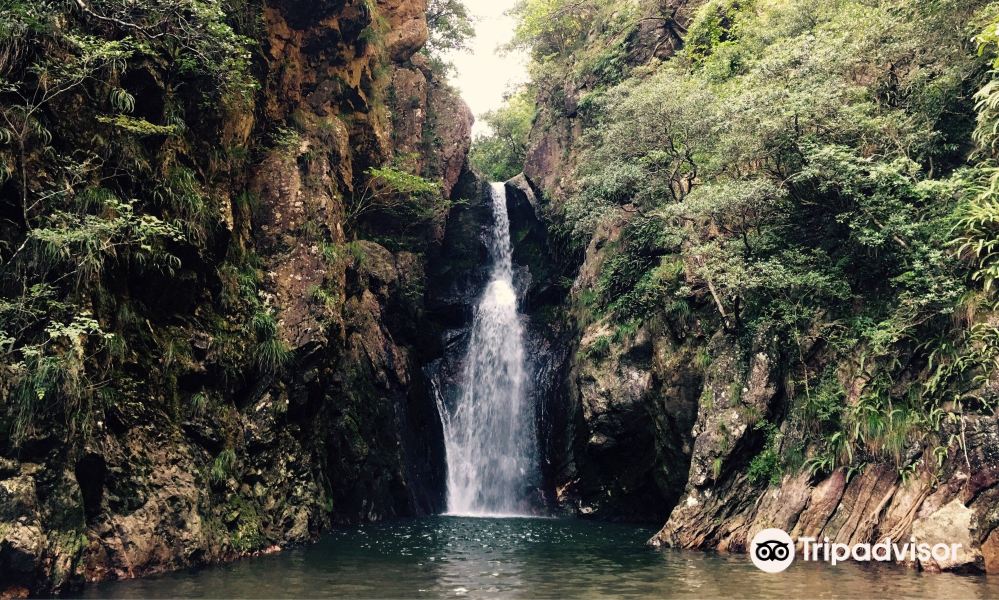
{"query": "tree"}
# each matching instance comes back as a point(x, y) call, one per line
point(450, 28)
point(552, 27)
point(499, 154)
point(390, 189)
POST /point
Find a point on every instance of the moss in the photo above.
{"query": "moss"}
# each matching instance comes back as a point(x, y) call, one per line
point(140, 127)
point(245, 527)
point(68, 545)
point(351, 436)
point(599, 348)
point(707, 399)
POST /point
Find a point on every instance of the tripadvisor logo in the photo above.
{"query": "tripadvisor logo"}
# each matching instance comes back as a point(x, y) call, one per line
point(773, 551)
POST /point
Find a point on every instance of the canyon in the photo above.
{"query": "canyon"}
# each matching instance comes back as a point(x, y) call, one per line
point(209, 453)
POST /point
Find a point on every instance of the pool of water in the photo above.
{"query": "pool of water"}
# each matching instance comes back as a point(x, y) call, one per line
point(530, 558)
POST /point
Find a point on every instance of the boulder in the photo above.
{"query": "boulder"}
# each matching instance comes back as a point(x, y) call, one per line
point(950, 525)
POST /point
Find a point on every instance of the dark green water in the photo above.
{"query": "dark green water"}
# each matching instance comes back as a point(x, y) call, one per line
point(527, 558)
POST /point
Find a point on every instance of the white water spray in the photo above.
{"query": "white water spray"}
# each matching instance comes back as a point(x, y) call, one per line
point(489, 434)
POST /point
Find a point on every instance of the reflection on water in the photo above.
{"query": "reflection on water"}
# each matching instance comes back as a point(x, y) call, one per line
point(529, 558)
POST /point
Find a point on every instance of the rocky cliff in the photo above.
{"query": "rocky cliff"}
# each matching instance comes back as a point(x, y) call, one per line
point(272, 385)
point(682, 418)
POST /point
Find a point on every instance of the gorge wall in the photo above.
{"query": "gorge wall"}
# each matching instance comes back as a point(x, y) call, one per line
point(679, 416)
point(269, 384)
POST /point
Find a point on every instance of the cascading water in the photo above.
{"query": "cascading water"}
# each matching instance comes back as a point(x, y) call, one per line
point(489, 433)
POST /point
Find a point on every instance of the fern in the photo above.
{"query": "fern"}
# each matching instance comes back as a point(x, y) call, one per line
point(223, 466)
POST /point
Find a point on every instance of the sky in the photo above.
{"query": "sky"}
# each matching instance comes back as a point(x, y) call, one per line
point(484, 74)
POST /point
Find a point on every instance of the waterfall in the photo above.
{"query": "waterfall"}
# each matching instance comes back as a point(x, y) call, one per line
point(489, 433)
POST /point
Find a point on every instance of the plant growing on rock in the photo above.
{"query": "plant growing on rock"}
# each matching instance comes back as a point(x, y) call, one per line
point(223, 466)
point(796, 192)
point(396, 192)
point(80, 216)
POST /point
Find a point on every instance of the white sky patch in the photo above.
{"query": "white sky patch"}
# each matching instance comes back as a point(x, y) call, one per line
point(485, 74)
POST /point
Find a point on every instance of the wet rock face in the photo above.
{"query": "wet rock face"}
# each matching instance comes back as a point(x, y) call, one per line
point(42, 525)
point(548, 158)
point(144, 500)
point(459, 268)
point(423, 103)
point(381, 436)
point(721, 508)
point(376, 432)
point(628, 444)
point(346, 429)
point(539, 283)
point(624, 413)
point(458, 272)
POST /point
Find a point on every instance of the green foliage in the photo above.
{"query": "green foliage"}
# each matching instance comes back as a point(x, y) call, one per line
point(327, 299)
point(199, 403)
point(716, 468)
point(102, 229)
point(712, 27)
point(139, 127)
point(635, 281)
point(581, 41)
point(978, 236)
point(450, 27)
point(401, 182)
point(223, 467)
point(84, 223)
point(356, 252)
point(287, 139)
point(800, 170)
point(552, 28)
point(499, 155)
point(977, 218)
point(987, 98)
point(37, 376)
point(395, 192)
point(766, 466)
point(787, 195)
point(625, 331)
point(271, 352)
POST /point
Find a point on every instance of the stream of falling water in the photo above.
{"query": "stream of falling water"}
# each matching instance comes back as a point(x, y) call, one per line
point(489, 433)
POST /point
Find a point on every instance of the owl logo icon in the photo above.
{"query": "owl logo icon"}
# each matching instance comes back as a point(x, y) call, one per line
point(772, 550)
